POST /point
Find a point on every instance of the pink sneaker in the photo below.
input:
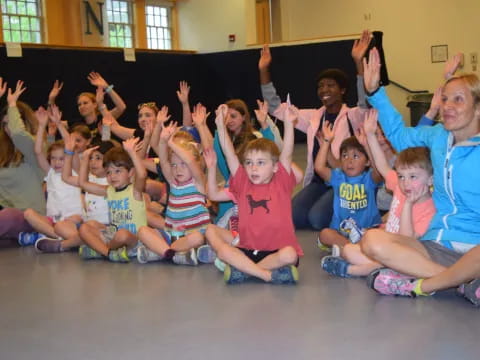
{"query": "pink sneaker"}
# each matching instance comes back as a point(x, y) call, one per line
point(389, 282)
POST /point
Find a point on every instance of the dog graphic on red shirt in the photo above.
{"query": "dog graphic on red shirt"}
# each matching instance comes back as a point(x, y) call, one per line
point(257, 203)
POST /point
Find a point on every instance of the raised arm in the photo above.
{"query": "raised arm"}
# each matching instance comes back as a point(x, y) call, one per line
point(269, 93)
point(199, 117)
point(213, 191)
point(55, 116)
point(359, 49)
point(261, 113)
point(42, 117)
point(162, 118)
point(434, 109)
point(98, 81)
point(182, 95)
point(452, 65)
point(130, 146)
point(145, 143)
point(378, 156)
point(162, 152)
point(121, 131)
point(224, 139)
point(67, 166)
point(87, 186)
point(189, 159)
point(362, 139)
point(321, 166)
point(288, 138)
point(52, 95)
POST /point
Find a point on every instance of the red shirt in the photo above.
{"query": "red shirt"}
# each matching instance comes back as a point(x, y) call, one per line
point(265, 211)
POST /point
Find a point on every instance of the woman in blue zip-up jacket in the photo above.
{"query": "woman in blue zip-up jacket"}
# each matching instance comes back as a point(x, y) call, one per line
point(448, 254)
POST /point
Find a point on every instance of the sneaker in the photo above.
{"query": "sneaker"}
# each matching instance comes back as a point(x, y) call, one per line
point(145, 255)
point(28, 238)
point(336, 266)
point(322, 247)
point(205, 254)
point(471, 291)
point(232, 275)
point(119, 255)
point(219, 264)
point(48, 245)
point(87, 253)
point(285, 275)
point(186, 258)
point(388, 282)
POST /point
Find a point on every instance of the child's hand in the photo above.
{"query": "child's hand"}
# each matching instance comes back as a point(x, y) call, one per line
point(107, 119)
point(210, 157)
point(415, 194)
point(168, 132)
point(361, 137)
point(147, 132)
point(54, 114)
point(162, 115)
point(261, 113)
point(130, 145)
point(199, 115)
point(452, 65)
point(3, 87)
point(370, 124)
point(51, 128)
point(327, 131)
point(87, 154)
point(42, 116)
point(12, 97)
point(57, 86)
point(291, 114)
point(183, 93)
point(371, 71)
point(70, 143)
point(97, 80)
point(265, 58)
point(360, 46)
point(99, 96)
point(221, 117)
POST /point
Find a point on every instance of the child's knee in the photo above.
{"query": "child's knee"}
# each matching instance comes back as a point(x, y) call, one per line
point(371, 243)
point(288, 255)
point(28, 214)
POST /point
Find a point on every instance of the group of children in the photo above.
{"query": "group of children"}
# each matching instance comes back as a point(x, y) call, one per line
point(99, 196)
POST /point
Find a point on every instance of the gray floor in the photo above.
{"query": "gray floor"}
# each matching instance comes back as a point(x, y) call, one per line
point(59, 307)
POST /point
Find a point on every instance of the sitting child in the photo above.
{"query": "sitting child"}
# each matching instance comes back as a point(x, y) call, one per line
point(263, 185)
point(118, 240)
point(354, 186)
point(412, 205)
point(187, 216)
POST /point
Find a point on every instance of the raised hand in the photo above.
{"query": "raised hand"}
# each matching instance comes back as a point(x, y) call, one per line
point(371, 71)
point(199, 115)
point(130, 145)
point(265, 58)
point(162, 115)
point(435, 104)
point(87, 154)
point(452, 65)
point(221, 116)
point(51, 128)
point(54, 114)
point(69, 141)
point(97, 80)
point(370, 124)
point(3, 87)
point(210, 157)
point(183, 93)
point(327, 131)
point(57, 86)
point(360, 46)
point(262, 112)
point(168, 132)
point(291, 114)
point(99, 95)
point(42, 116)
point(12, 97)
point(361, 137)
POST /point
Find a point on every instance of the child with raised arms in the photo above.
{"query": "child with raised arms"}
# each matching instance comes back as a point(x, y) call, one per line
point(118, 240)
point(262, 183)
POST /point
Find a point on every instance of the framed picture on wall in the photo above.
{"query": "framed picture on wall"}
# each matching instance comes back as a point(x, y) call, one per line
point(439, 53)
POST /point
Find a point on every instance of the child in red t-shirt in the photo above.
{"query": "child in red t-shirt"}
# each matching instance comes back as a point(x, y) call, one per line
point(263, 185)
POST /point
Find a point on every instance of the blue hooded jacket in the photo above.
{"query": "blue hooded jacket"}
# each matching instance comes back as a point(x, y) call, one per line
point(456, 177)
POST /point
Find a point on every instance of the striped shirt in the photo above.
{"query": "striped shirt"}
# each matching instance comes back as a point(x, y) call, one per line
point(186, 210)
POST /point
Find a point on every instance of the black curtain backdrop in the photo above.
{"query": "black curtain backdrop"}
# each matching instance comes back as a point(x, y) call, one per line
point(214, 78)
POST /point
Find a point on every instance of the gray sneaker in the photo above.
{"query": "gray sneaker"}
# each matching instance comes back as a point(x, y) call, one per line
point(186, 258)
point(145, 255)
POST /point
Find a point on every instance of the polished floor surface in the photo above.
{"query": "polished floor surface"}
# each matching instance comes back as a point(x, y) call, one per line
point(60, 307)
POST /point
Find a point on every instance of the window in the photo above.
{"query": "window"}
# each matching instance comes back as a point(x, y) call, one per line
point(22, 21)
point(159, 31)
point(120, 23)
